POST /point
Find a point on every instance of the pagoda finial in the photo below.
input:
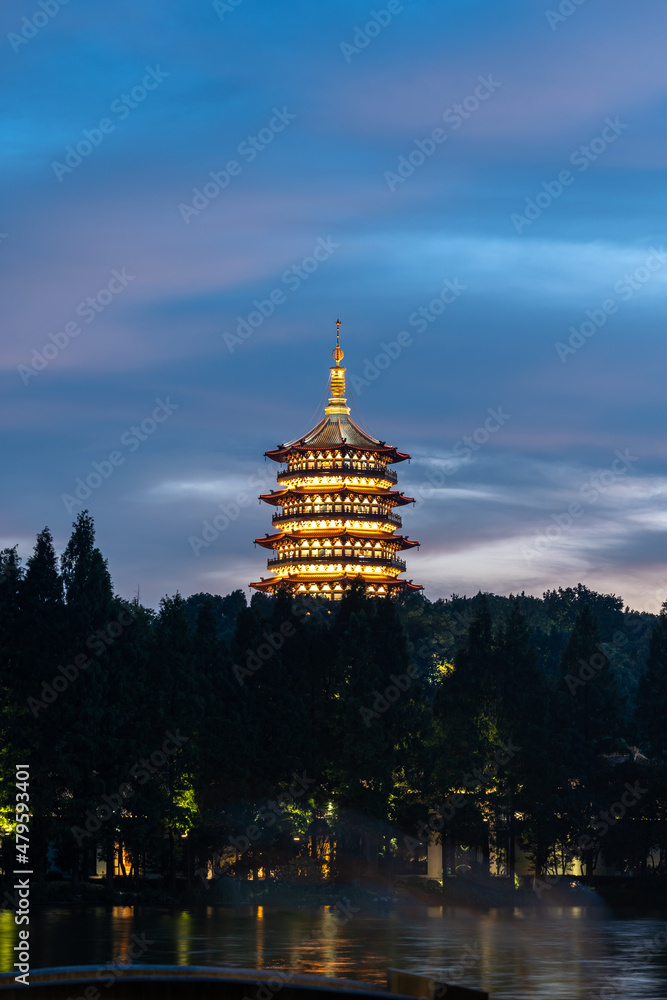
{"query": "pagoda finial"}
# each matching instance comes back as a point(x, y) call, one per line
point(337, 401)
point(337, 354)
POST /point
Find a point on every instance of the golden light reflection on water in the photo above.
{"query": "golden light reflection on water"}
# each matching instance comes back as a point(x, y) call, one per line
point(183, 938)
point(331, 930)
point(526, 954)
point(122, 925)
point(8, 938)
point(260, 937)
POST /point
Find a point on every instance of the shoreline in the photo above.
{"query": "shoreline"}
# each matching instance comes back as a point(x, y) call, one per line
point(375, 896)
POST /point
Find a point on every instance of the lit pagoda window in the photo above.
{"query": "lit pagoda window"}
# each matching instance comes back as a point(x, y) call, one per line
point(336, 468)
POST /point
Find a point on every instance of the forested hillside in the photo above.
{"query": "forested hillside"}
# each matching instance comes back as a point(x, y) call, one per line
point(215, 733)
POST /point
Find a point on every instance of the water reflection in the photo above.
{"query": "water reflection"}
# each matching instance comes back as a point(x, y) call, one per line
point(259, 947)
point(560, 952)
point(9, 935)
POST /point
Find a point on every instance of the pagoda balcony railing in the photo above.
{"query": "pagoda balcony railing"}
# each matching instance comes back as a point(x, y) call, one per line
point(350, 469)
point(336, 557)
point(328, 463)
point(352, 512)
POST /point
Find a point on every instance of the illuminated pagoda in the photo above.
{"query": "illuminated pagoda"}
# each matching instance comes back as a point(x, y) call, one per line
point(337, 520)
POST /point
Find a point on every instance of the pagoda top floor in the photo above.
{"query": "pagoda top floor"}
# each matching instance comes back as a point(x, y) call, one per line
point(336, 432)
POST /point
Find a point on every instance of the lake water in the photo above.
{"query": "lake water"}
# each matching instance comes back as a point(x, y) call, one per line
point(569, 953)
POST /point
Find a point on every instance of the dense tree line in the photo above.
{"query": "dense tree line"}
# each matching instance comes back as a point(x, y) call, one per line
point(213, 733)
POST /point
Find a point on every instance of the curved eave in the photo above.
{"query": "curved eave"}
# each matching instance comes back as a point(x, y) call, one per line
point(265, 585)
point(283, 452)
point(391, 584)
point(277, 497)
point(400, 541)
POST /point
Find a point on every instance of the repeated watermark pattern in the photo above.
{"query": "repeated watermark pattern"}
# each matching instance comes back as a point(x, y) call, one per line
point(588, 669)
point(292, 279)
point(340, 913)
point(31, 26)
point(566, 9)
point(469, 957)
point(141, 772)
point(271, 811)
point(249, 149)
point(473, 781)
point(581, 158)
point(87, 310)
point(121, 107)
point(454, 117)
point(419, 320)
point(131, 439)
point(97, 642)
point(600, 825)
point(463, 452)
point(273, 641)
point(363, 35)
point(590, 493)
point(214, 526)
point(625, 287)
point(222, 7)
point(616, 986)
point(382, 701)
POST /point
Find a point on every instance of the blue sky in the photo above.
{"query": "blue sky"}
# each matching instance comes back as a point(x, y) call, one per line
point(531, 146)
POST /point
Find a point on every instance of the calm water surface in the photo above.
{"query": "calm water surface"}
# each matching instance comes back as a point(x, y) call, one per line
point(573, 953)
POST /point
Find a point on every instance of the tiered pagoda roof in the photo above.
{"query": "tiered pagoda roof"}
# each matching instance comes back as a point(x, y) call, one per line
point(337, 502)
point(336, 430)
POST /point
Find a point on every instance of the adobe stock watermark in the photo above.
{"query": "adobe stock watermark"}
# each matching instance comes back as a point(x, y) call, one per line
point(588, 669)
point(269, 814)
point(458, 627)
point(463, 450)
point(600, 825)
point(88, 310)
point(292, 279)
point(31, 26)
point(222, 7)
point(249, 149)
point(340, 913)
point(617, 986)
point(273, 641)
point(565, 9)
point(418, 320)
point(581, 157)
point(111, 971)
point(130, 439)
point(469, 957)
point(212, 528)
point(590, 493)
point(400, 683)
point(626, 287)
point(121, 107)
point(454, 117)
point(97, 642)
point(364, 35)
point(472, 781)
point(141, 772)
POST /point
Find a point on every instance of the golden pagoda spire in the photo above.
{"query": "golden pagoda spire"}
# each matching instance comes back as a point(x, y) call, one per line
point(337, 400)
